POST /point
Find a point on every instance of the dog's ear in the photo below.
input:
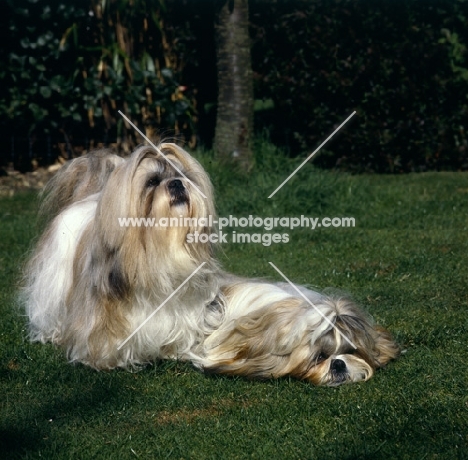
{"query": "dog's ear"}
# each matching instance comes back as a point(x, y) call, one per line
point(115, 204)
point(78, 179)
point(385, 347)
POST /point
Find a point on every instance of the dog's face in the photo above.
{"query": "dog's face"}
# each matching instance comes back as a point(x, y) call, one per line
point(350, 351)
point(171, 191)
point(168, 183)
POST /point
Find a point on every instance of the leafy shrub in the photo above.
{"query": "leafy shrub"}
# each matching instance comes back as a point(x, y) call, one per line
point(386, 60)
point(69, 68)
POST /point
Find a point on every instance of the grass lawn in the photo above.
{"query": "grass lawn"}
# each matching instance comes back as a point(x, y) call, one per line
point(405, 261)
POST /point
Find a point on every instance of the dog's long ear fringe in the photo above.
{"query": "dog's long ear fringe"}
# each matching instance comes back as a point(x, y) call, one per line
point(76, 180)
point(386, 348)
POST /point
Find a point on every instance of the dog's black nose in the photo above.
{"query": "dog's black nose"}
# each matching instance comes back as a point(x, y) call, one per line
point(338, 365)
point(178, 192)
point(176, 185)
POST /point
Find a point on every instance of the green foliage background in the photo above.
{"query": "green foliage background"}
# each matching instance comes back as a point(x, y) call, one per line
point(401, 64)
point(69, 67)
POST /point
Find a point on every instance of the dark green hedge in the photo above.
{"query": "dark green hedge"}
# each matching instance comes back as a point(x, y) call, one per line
point(401, 64)
point(398, 63)
point(67, 68)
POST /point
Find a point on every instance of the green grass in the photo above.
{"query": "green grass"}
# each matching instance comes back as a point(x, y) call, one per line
point(405, 262)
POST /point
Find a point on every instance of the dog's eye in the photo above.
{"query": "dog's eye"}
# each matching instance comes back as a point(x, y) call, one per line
point(321, 357)
point(351, 351)
point(153, 181)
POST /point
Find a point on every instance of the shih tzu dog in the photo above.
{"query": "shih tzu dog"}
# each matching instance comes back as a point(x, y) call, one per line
point(122, 296)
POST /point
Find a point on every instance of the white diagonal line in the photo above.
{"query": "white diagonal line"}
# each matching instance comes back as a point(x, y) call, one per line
point(308, 301)
point(162, 154)
point(313, 153)
point(159, 308)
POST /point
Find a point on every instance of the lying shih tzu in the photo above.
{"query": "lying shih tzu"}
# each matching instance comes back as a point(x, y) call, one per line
point(91, 283)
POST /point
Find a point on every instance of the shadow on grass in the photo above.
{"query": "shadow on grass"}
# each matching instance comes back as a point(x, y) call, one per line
point(31, 428)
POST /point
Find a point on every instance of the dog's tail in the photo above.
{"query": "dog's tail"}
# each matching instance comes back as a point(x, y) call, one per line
point(76, 180)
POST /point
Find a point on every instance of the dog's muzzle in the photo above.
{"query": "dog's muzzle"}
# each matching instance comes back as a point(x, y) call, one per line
point(178, 192)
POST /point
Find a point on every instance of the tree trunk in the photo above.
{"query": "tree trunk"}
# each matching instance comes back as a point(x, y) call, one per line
point(234, 122)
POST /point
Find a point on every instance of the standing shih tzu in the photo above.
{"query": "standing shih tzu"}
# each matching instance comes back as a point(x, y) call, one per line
point(93, 285)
